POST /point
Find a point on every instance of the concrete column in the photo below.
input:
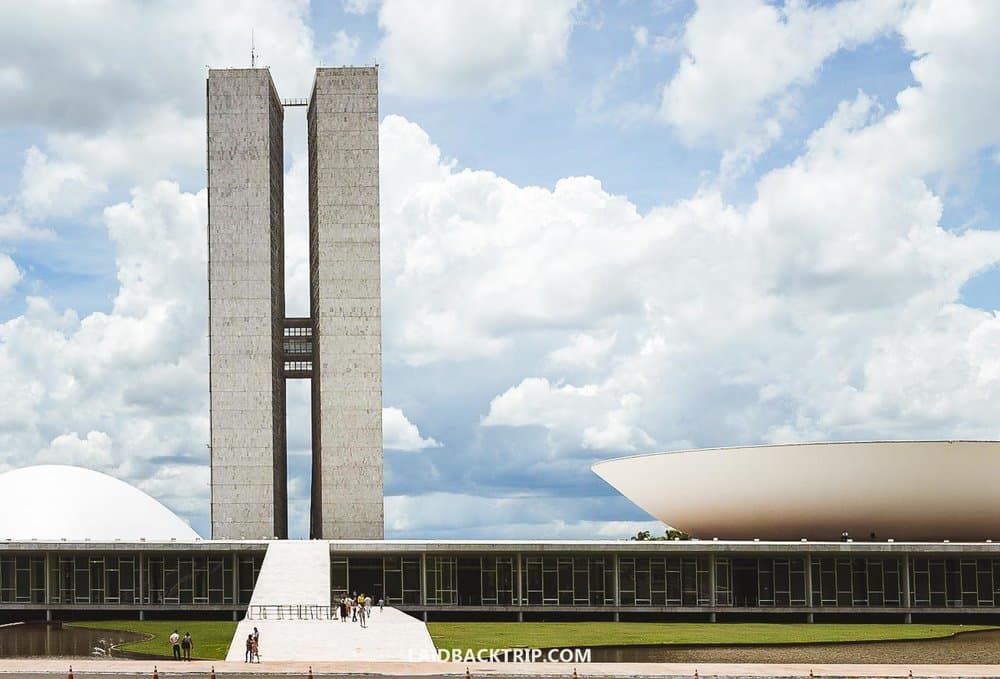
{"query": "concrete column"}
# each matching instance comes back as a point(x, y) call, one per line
point(907, 597)
point(711, 583)
point(519, 590)
point(236, 582)
point(423, 581)
point(48, 582)
point(614, 592)
point(48, 615)
point(141, 565)
point(142, 615)
point(809, 581)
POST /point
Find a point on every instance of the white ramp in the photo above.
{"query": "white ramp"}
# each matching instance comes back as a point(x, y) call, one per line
point(294, 590)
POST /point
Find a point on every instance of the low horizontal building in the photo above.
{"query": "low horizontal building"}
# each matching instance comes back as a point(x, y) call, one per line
point(535, 580)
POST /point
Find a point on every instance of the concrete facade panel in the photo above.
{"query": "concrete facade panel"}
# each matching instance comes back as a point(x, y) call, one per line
point(346, 304)
point(246, 304)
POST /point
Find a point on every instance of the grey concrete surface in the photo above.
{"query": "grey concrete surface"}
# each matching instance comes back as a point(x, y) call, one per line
point(108, 669)
point(246, 304)
point(346, 304)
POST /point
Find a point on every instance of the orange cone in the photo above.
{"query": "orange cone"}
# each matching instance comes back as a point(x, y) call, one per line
point(156, 675)
point(310, 675)
point(70, 672)
point(467, 675)
point(695, 673)
point(212, 674)
point(574, 674)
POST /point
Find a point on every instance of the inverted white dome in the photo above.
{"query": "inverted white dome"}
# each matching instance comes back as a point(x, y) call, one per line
point(906, 490)
point(50, 502)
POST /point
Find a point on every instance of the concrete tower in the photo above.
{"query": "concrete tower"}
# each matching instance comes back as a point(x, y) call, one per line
point(253, 347)
point(345, 304)
point(246, 293)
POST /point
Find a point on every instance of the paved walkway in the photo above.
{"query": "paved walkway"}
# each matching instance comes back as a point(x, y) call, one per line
point(297, 573)
point(46, 668)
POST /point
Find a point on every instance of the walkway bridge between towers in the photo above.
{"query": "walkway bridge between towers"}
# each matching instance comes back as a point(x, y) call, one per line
point(290, 607)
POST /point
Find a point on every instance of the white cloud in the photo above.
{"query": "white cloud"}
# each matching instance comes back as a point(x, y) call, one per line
point(14, 228)
point(584, 350)
point(79, 73)
point(610, 420)
point(10, 275)
point(782, 319)
point(95, 450)
point(455, 47)
point(398, 433)
point(344, 48)
point(462, 515)
point(826, 307)
point(741, 57)
point(359, 6)
point(134, 377)
point(52, 188)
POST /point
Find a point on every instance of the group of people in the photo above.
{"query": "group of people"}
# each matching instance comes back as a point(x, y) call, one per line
point(179, 643)
point(253, 646)
point(358, 608)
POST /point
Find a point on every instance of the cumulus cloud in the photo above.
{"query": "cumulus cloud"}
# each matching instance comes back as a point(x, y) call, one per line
point(455, 47)
point(740, 59)
point(52, 188)
point(10, 275)
point(94, 451)
point(398, 433)
point(80, 73)
point(344, 48)
point(359, 6)
point(781, 319)
point(571, 324)
point(134, 377)
point(610, 417)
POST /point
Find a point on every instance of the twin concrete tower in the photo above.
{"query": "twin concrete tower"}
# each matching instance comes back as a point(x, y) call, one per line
point(253, 347)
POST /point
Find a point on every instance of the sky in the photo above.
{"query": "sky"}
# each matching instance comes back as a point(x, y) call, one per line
point(608, 228)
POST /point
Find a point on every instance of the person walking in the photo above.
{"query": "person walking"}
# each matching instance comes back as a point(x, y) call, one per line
point(256, 644)
point(354, 611)
point(361, 616)
point(249, 654)
point(343, 609)
point(187, 643)
point(175, 643)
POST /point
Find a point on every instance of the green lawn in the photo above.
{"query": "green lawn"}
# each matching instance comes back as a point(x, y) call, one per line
point(483, 635)
point(211, 637)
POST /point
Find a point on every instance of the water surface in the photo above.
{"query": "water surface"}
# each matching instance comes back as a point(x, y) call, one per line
point(40, 640)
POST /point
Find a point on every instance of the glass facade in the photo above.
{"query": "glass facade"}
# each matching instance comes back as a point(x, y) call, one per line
point(153, 579)
point(413, 580)
point(22, 579)
point(955, 583)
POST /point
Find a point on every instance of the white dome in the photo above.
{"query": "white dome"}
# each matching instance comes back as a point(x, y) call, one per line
point(50, 502)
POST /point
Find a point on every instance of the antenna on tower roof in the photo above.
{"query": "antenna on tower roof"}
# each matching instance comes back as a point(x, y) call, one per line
point(253, 54)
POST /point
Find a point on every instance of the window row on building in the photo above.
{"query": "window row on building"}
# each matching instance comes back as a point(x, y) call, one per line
point(153, 579)
point(782, 582)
